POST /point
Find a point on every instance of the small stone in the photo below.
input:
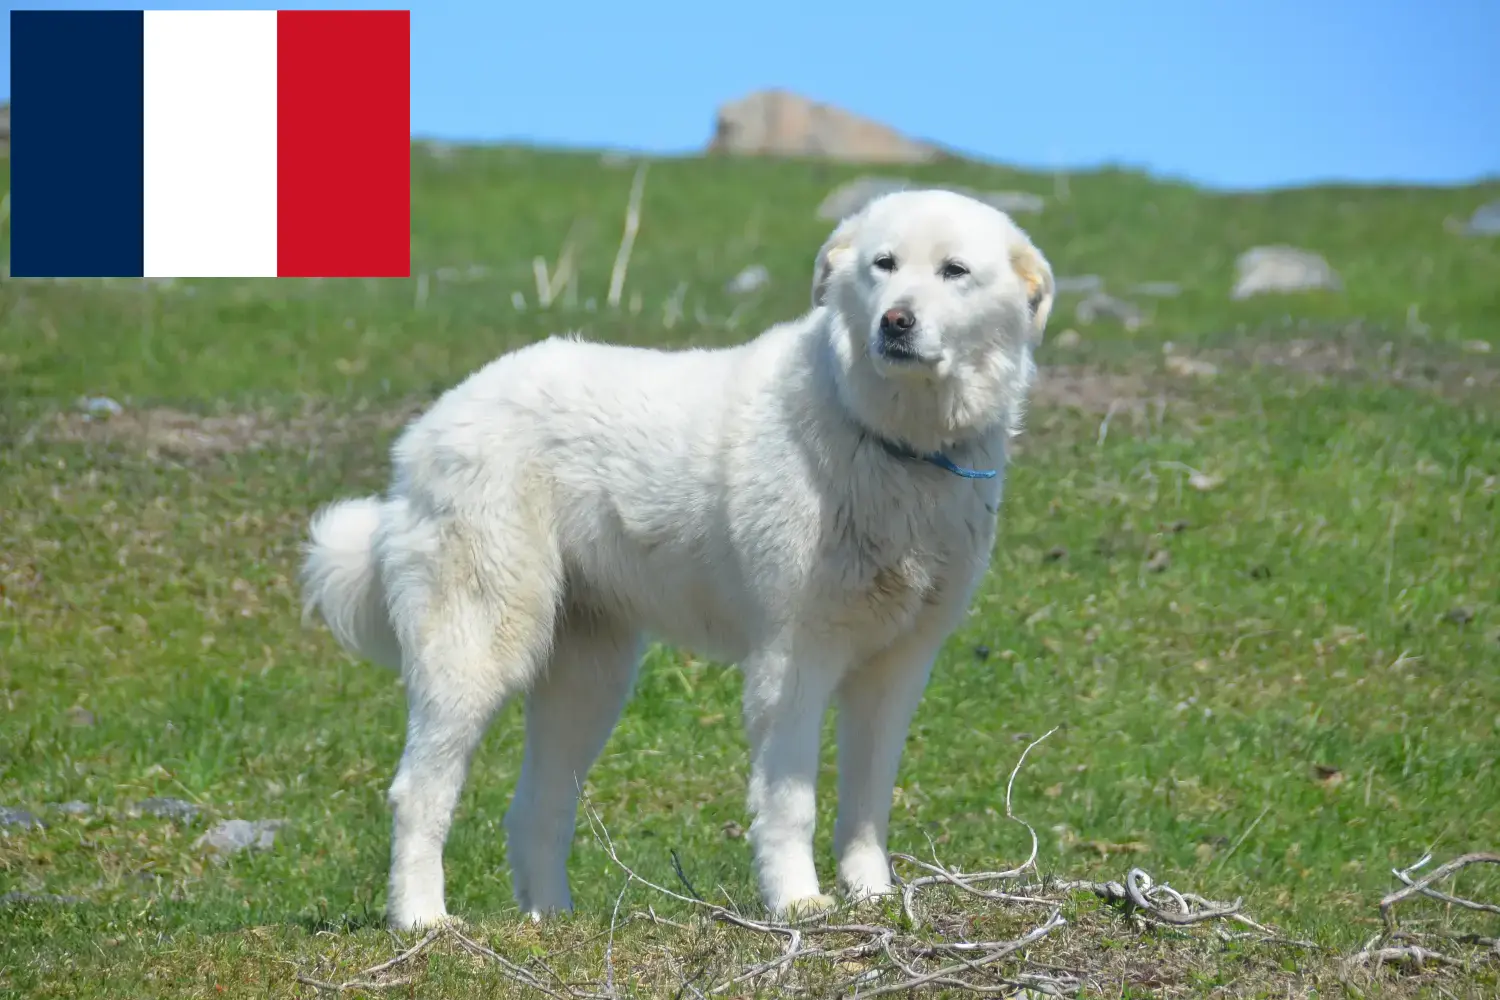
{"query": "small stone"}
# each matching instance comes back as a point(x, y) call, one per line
point(1460, 616)
point(10, 816)
point(1077, 284)
point(80, 716)
point(1281, 269)
point(1203, 482)
point(751, 279)
point(235, 835)
point(733, 830)
point(1485, 221)
point(849, 198)
point(1179, 364)
point(100, 407)
point(74, 808)
point(1056, 553)
point(173, 809)
point(1159, 561)
point(1101, 306)
point(1069, 339)
point(981, 652)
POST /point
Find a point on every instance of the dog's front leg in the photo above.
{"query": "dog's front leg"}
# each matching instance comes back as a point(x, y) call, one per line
point(784, 701)
point(875, 704)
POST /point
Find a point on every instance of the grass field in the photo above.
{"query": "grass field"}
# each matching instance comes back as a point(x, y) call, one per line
point(1279, 686)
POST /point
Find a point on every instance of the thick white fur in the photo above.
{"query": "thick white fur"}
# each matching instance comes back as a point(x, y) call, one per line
point(569, 497)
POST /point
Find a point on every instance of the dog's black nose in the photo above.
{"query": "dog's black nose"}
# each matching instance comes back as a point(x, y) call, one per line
point(897, 321)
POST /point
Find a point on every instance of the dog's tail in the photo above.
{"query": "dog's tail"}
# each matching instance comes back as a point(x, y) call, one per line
point(341, 580)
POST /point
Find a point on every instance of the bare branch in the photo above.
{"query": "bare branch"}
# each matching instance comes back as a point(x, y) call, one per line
point(1436, 875)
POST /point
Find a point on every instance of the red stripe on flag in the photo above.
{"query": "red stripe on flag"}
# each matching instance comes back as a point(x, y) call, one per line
point(343, 153)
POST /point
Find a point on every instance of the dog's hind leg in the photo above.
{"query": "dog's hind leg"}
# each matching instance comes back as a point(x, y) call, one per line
point(481, 618)
point(570, 713)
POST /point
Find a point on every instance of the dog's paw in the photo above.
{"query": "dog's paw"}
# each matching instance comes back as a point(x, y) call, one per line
point(869, 894)
point(427, 922)
point(808, 906)
point(537, 915)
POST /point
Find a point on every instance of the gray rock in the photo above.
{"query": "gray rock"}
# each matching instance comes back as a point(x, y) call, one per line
point(1101, 306)
point(751, 279)
point(173, 809)
point(10, 816)
point(74, 808)
point(1282, 269)
point(80, 716)
point(846, 199)
point(1485, 221)
point(1078, 284)
point(37, 899)
point(1011, 202)
point(100, 407)
point(1158, 289)
point(235, 835)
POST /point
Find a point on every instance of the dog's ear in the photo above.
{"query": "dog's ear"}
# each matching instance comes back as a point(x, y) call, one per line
point(835, 253)
point(1036, 276)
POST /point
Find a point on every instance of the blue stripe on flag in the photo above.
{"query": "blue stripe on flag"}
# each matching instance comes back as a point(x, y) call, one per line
point(77, 144)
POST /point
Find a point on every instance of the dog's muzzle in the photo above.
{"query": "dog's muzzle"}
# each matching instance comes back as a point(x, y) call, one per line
point(896, 328)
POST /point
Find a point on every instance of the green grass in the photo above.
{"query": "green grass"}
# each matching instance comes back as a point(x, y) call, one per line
point(1307, 694)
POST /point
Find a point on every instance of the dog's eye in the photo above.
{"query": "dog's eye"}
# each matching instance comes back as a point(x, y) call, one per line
point(953, 269)
point(884, 262)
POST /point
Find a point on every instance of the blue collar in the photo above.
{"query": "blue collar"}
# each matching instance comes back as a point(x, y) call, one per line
point(936, 458)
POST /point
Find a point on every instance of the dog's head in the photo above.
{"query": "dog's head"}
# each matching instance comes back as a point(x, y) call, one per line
point(936, 301)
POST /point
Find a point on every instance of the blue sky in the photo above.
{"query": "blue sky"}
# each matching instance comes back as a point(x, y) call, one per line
point(1227, 93)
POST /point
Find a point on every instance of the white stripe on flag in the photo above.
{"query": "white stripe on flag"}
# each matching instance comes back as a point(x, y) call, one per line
point(210, 149)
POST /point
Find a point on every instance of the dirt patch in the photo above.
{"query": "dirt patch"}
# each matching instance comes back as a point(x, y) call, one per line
point(1091, 390)
point(1354, 353)
point(163, 431)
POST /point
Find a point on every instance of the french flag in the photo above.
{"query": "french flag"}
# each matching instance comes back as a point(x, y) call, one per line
point(189, 143)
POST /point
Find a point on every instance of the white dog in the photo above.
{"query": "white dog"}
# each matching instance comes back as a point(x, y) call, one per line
point(816, 505)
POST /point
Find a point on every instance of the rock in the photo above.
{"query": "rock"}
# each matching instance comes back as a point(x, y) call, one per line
point(1011, 202)
point(37, 899)
point(1281, 269)
point(1485, 221)
point(1102, 306)
point(235, 835)
point(846, 199)
point(10, 816)
point(1069, 339)
point(751, 279)
point(1158, 289)
point(440, 151)
point(1180, 364)
point(779, 123)
point(80, 716)
point(173, 809)
point(74, 808)
point(1078, 284)
point(100, 407)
